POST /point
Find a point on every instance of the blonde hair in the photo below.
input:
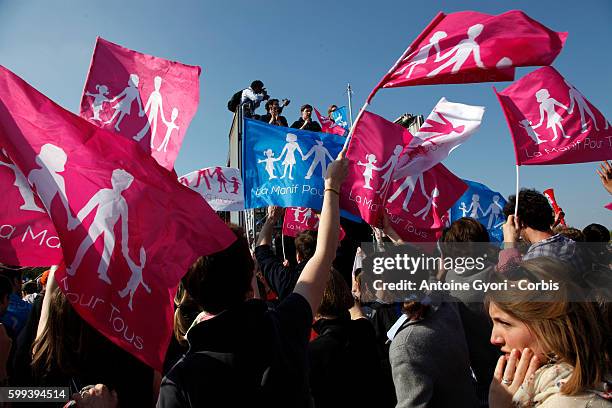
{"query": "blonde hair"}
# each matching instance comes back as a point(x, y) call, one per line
point(568, 331)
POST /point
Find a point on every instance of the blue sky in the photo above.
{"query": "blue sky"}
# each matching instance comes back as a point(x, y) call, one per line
point(308, 52)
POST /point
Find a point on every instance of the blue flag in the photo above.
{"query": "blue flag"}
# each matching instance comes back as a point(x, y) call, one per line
point(340, 116)
point(484, 205)
point(285, 167)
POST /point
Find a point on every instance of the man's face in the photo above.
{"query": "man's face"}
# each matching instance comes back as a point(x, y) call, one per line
point(306, 113)
point(274, 107)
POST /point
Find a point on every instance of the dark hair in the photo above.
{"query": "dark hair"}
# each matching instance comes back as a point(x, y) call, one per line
point(331, 109)
point(337, 298)
point(305, 244)
point(257, 84)
point(12, 273)
point(6, 288)
point(534, 211)
point(596, 233)
point(466, 230)
point(270, 102)
point(30, 287)
point(570, 232)
point(305, 106)
point(222, 280)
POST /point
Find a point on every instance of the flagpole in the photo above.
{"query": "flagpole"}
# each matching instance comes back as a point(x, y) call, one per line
point(350, 105)
point(283, 246)
point(516, 200)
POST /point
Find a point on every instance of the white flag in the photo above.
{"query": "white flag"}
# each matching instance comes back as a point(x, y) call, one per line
point(221, 187)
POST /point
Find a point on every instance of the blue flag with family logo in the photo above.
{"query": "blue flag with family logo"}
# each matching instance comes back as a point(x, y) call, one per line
point(484, 205)
point(285, 167)
point(340, 117)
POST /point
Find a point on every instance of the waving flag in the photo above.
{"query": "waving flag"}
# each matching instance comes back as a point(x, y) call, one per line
point(418, 204)
point(329, 126)
point(374, 153)
point(341, 118)
point(144, 98)
point(467, 47)
point(27, 235)
point(129, 230)
point(484, 205)
point(298, 220)
point(549, 193)
point(221, 187)
point(449, 125)
point(552, 122)
point(285, 167)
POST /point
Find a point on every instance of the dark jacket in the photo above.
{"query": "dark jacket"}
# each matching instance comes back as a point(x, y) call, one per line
point(312, 126)
point(266, 118)
point(247, 356)
point(281, 279)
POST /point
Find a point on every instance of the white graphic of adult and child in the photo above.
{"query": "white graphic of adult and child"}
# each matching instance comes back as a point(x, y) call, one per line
point(410, 183)
point(306, 213)
point(124, 100)
point(318, 151)
point(109, 206)
point(494, 211)
point(25, 190)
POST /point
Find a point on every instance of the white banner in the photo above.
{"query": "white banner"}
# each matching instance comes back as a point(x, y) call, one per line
point(221, 187)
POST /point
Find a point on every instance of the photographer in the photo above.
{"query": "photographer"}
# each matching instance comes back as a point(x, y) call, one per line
point(252, 96)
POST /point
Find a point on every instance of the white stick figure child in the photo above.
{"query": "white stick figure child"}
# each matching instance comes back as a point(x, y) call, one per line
point(27, 195)
point(526, 124)
point(495, 209)
point(136, 277)
point(124, 106)
point(269, 160)
point(98, 101)
point(464, 209)
point(421, 56)
point(296, 214)
point(320, 157)
point(170, 127)
point(153, 106)
point(547, 105)
point(431, 201)
point(475, 206)
point(390, 166)
point(368, 171)
point(576, 99)
point(111, 206)
point(462, 52)
point(289, 150)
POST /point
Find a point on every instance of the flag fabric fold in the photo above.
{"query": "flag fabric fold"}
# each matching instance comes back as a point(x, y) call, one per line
point(221, 187)
point(297, 220)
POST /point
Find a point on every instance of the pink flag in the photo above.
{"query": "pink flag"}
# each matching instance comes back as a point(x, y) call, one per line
point(299, 219)
point(144, 98)
point(552, 122)
point(374, 152)
point(467, 47)
point(329, 126)
point(448, 126)
point(129, 230)
point(27, 235)
point(417, 205)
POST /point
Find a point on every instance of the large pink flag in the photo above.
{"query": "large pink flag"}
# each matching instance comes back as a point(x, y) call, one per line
point(129, 230)
point(417, 205)
point(468, 46)
point(552, 122)
point(300, 219)
point(374, 152)
point(27, 235)
point(328, 125)
point(144, 98)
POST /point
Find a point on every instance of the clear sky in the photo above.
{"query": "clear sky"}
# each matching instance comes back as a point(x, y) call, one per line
point(308, 52)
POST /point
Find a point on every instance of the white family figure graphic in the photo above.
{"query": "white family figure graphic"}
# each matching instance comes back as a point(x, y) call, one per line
point(289, 150)
point(495, 209)
point(431, 201)
point(390, 167)
point(462, 52)
point(124, 106)
point(110, 207)
point(308, 214)
point(269, 160)
point(136, 277)
point(526, 124)
point(368, 171)
point(152, 108)
point(475, 206)
point(98, 101)
point(410, 184)
point(47, 179)
point(421, 56)
point(320, 157)
point(170, 126)
point(29, 203)
point(577, 100)
point(296, 214)
point(547, 106)
point(464, 209)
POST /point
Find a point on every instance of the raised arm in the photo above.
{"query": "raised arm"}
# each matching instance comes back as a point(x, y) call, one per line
point(265, 235)
point(313, 279)
point(541, 117)
point(122, 94)
point(310, 152)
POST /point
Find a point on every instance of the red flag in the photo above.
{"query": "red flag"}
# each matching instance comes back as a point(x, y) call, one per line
point(467, 46)
point(129, 230)
point(299, 219)
point(142, 97)
point(329, 126)
point(552, 122)
point(549, 193)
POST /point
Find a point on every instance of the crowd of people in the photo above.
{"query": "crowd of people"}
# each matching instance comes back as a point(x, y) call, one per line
point(301, 327)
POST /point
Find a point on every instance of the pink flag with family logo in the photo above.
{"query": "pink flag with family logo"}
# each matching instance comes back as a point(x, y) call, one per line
point(448, 126)
point(417, 205)
point(299, 219)
point(552, 122)
point(373, 153)
point(147, 99)
point(27, 235)
point(129, 230)
point(221, 187)
point(329, 126)
point(468, 46)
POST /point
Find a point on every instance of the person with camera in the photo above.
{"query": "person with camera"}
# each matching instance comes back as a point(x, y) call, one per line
point(274, 109)
point(252, 96)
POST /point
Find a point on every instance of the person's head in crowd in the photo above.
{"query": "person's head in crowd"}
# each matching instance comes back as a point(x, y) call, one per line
point(596, 233)
point(552, 326)
point(330, 110)
point(187, 309)
point(14, 275)
point(337, 298)
point(257, 86)
point(305, 245)
point(29, 288)
point(306, 112)
point(463, 231)
point(535, 215)
point(273, 106)
point(570, 232)
point(6, 288)
point(222, 280)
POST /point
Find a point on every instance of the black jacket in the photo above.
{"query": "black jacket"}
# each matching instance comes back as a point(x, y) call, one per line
point(266, 118)
point(281, 279)
point(312, 126)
